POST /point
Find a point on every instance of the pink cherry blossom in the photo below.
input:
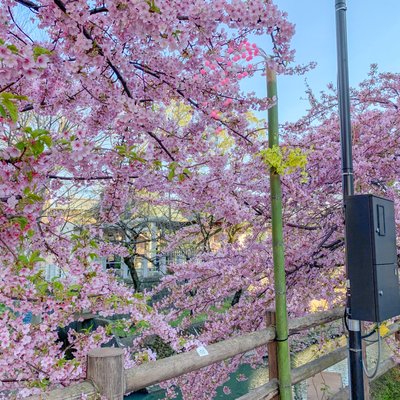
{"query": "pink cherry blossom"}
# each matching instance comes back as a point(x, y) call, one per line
point(94, 89)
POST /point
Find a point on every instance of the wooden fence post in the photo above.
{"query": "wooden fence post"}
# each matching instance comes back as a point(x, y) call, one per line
point(272, 351)
point(105, 368)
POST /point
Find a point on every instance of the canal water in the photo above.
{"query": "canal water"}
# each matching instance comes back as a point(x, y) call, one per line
point(259, 376)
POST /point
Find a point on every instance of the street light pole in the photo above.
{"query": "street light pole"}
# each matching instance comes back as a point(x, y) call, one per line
point(356, 379)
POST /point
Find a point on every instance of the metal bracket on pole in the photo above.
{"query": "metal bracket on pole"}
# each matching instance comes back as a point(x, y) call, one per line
point(354, 325)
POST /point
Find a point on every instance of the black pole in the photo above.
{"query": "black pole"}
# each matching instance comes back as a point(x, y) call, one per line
point(356, 379)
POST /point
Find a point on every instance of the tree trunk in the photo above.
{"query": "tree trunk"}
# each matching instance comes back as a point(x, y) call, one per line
point(129, 261)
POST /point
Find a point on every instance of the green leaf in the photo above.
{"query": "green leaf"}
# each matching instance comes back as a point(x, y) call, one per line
point(35, 257)
point(29, 176)
point(11, 108)
point(22, 221)
point(152, 7)
point(20, 146)
point(61, 362)
point(135, 157)
point(58, 286)
point(181, 177)
point(33, 197)
point(23, 258)
point(13, 48)
point(176, 33)
point(12, 96)
point(172, 167)
point(155, 9)
point(109, 329)
point(42, 287)
point(121, 150)
point(37, 148)
point(40, 383)
point(94, 244)
point(120, 332)
point(39, 132)
point(157, 164)
point(74, 290)
point(47, 140)
point(142, 325)
point(3, 112)
point(87, 330)
point(38, 51)
point(171, 175)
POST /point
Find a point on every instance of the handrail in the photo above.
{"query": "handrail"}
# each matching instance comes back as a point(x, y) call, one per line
point(315, 319)
point(167, 368)
point(310, 369)
point(160, 370)
point(157, 371)
point(154, 372)
point(180, 364)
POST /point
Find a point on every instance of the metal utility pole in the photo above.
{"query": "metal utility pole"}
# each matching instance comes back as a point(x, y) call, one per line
point(285, 387)
point(356, 378)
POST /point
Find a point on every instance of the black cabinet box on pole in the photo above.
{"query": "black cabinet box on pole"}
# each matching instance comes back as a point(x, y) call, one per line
point(372, 258)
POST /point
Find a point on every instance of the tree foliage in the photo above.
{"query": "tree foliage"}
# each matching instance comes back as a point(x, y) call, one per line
point(152, 94)
point(115, 71)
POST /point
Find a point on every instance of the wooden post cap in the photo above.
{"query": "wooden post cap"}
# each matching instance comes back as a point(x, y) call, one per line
point(105, 368)
point(105, 352)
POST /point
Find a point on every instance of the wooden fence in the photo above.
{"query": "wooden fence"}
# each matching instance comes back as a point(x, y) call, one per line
point(106, 374)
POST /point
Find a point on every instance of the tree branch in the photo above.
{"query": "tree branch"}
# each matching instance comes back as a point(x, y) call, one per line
point(161, 145)
point(30, 4)
point(83, 178)
point(306, 227)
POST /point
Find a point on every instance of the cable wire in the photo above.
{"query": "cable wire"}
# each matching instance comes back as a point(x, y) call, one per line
point(364, 337)
point(370, 333)
point(378, 359)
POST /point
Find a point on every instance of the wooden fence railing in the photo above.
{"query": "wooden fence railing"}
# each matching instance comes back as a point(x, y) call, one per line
point(106, 375)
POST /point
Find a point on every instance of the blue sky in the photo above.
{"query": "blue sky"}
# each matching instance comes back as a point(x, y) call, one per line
point(373, 37)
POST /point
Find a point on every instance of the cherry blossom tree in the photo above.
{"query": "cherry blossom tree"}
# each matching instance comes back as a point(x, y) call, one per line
point(241, 270)
point(120, 72)
point(113, 70)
